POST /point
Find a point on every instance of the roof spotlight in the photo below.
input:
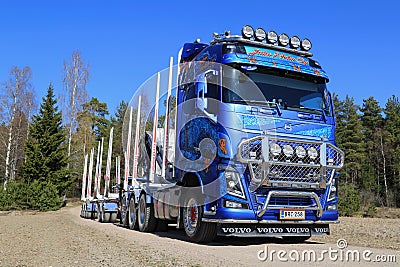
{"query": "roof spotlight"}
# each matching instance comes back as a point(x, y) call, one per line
point(294, 42)
point(272, 37)
point(306, 44)
point(260, 34)
point(247, 31)
point(283, 39)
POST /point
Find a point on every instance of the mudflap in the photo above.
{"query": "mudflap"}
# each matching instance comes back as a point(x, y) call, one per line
point(272, 230)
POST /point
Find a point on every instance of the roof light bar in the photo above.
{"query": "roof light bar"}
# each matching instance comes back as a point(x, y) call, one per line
point(270, 38)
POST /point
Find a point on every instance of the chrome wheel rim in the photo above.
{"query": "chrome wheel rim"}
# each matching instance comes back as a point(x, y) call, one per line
point(192, 216)
point(142, 211)
point(131, 212)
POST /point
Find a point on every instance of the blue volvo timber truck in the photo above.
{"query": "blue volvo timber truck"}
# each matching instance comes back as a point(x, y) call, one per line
point(243, 144)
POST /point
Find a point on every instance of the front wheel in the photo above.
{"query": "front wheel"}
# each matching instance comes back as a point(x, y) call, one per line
point(196, 230)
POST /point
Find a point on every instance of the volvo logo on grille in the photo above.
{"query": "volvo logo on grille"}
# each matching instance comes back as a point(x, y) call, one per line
point(288, 127)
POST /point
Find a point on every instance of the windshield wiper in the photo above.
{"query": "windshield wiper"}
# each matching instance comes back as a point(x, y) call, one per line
point(259, 102)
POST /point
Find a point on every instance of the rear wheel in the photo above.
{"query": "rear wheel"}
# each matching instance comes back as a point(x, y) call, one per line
point(124, 213)
point(196, 230)
point(146, 220)
point(132, 214)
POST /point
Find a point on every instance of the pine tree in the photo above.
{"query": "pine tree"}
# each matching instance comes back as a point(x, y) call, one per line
point(372, 122)
point(392, 121)
point(45, 166)
point(96, 112)
point(349, 137)
point(117, 123)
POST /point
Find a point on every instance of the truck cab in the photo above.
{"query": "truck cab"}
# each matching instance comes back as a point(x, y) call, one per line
point(246, 146)
point(264, 102)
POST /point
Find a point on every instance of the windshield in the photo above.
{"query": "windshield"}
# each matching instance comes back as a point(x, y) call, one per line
point(254, 85)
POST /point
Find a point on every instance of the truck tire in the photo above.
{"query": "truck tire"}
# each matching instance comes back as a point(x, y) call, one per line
point(196, 230)
point(124, 220)
point(99, 213)
point(146, 220)
point(113, 217)
point(106, 217)
point(132, 214)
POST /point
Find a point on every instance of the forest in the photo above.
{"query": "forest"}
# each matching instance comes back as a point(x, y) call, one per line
point(42, 145)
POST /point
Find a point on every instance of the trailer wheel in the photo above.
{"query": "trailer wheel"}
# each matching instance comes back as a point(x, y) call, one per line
point(132, 214)
point(146, 220)
point(113, 217)
point(106, 217)
point(196, 230)
point(100, 216)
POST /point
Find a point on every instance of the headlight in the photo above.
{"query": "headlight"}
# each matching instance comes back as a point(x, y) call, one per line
point(333, 190)
point(272, 37)
point(275, 149)
point(233, 184)
point(283, 39)
point(288, 150)
point(312, 153)
point(306, 44)
point(294, 42)
point(301, 152)
point(247, 31)
point(260, 34)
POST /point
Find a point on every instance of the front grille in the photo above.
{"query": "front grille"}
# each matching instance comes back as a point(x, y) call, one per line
point(306, 164)
point(290, 201)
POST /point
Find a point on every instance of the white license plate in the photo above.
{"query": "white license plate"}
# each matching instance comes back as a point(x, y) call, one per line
point(292, 214)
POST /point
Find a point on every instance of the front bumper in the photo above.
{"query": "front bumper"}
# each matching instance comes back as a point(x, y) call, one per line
point(272, 230)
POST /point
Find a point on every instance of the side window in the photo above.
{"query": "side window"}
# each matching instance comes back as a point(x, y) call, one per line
point(190, 92)
point(212, 91)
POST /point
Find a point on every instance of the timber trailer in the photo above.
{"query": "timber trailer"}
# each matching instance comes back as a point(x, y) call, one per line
point(243, 144)
point(103, 207)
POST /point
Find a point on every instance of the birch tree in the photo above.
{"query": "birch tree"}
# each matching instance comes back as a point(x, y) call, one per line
point(18, 103)
point(76, 75)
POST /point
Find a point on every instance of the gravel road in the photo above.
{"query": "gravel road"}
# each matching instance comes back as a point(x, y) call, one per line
point(62, 238)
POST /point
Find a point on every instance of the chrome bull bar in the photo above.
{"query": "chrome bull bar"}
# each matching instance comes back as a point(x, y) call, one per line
point(261, 211)
point(279, 170)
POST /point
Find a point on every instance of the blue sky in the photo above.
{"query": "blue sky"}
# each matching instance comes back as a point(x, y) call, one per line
point(125, 42)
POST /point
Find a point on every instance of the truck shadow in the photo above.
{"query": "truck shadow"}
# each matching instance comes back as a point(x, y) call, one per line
point(177, 234)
